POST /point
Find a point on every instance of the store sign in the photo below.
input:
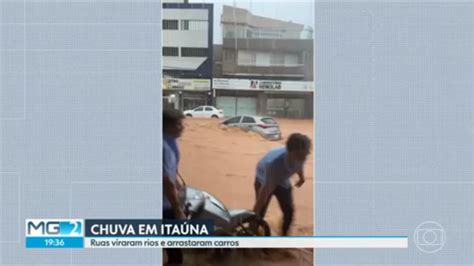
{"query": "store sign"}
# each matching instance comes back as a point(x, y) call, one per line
point(187, 84)
point(267, 85)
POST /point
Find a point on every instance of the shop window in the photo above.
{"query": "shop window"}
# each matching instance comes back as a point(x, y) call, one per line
point(275, 103)
point(167, 104)
point(285, 107)
point(190, 103)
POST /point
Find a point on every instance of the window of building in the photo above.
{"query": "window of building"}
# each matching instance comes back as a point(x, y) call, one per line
point(277, 60)
point(249, 33)
point(170, 51)
point(200, 25)
point(229, 33)
point(194, 52)
point(184, 24)
point(170, 24)
point(234, 32)
point(246, 58)
point(267, 34)
point(263, 59)
point(241, 32)
point(229, 56)
point(291, 60)
point(194, 25)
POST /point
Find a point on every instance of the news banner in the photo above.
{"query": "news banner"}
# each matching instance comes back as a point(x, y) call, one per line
point(144, 233)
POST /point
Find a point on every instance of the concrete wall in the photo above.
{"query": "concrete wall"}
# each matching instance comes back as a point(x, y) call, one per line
point(188, 67)
point(185, 38)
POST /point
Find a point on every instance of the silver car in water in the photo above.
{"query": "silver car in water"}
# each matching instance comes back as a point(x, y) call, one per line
point(265, 126)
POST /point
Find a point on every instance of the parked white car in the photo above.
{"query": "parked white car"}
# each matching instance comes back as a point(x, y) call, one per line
point(205, 111)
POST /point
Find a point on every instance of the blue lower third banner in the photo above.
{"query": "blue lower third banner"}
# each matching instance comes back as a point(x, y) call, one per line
point(115, 233)
point(54, 242)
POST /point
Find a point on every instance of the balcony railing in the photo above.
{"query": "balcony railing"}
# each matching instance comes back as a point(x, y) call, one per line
point(275, 45)
point(270, 71)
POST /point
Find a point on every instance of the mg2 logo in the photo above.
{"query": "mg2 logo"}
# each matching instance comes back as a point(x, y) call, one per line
point(54, 227)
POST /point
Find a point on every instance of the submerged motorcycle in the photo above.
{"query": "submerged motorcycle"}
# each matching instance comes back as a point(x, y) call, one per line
point(199, 204)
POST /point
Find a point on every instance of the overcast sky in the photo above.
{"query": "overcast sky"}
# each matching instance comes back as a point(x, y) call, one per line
point(300, 11)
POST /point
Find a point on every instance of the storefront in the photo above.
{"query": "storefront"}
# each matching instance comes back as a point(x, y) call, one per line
point(185, 94)
point(289, 99)
point(290, 105)
point(235, 102)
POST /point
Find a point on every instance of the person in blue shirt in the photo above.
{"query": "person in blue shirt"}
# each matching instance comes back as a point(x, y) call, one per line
point(273, 176)
point(172, 207)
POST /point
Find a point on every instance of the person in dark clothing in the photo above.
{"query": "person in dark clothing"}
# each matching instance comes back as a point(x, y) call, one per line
point(172, 207)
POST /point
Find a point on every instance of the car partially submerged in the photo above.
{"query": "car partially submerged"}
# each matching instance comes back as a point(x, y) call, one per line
point(265, 126)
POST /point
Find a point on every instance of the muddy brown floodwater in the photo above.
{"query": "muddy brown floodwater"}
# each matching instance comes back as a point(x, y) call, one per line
point(222, 161)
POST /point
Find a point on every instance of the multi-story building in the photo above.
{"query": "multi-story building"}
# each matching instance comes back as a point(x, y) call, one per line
point(265, 66)
point(187, 41)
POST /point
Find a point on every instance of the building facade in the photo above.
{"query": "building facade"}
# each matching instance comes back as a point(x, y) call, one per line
point(265, 66)
point(187, 44)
